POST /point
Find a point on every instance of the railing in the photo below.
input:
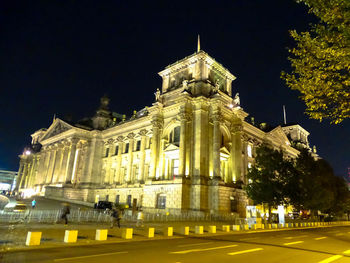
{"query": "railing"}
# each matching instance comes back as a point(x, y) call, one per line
point(85, 216)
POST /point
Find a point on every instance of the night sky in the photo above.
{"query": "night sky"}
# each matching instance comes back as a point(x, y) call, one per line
point(60, 57)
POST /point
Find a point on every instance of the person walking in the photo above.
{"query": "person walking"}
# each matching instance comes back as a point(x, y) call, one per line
point(33, 203)
point(65, 212)
point(115, 217)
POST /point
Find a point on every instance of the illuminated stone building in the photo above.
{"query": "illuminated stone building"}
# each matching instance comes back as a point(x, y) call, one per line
point(189, 150)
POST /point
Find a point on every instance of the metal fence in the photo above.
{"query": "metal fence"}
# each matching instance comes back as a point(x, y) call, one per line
point(86, 216)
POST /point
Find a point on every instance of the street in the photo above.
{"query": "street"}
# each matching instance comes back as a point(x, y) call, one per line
point(329, 244)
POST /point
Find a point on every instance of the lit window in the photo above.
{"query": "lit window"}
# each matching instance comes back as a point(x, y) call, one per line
point(250, 181)
point(249, 165)
point(174, 136)
point(249, 151)
point(176, 167)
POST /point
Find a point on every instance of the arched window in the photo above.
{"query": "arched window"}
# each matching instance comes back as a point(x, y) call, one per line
point(174, 136)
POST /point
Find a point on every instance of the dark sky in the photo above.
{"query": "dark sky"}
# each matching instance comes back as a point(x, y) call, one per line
point(62, 56)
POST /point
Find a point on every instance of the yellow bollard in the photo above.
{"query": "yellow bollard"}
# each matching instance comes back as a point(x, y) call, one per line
point(127, 233)
point(198, 230)
point(70, 236)
point(185, 230)
point(101, 234)
point(236, 227)
point(226, 228)
point(212, 229)
point(150, 232)
point(33, 238)
point(168, 231)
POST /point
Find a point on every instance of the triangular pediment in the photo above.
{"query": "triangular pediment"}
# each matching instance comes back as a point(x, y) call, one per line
point(171, 147)
point(57, 127)
point(279, 135)
point(224, 150)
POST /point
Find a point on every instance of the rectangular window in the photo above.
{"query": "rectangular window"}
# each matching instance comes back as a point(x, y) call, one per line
point(138, 145)
point(249, 165)
point(116, 150)
point(126, 148)
point(249, 150)
point(176, 166)
point(117, 199)
point(129, 200)
point(161, 201)
point(107, 152)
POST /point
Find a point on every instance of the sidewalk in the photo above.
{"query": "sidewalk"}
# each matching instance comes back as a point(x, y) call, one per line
point(13, 237)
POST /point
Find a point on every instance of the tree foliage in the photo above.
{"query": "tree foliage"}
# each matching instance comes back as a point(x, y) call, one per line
point(305, 182)
point(321, 61)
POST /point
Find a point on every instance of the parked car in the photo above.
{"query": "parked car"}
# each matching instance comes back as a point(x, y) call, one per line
point(16, 207)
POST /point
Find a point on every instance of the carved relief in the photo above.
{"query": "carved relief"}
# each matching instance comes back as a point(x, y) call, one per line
point(59, 128)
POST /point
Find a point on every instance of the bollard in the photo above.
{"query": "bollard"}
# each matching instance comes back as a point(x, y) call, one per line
point(245, 227)
point(212, 229)
point(70, 236)
point(127, 233)
point(150, 232)
point(236, 227)
point(198, 230)
point(185, 230)
point(33, 238)
point(262, 226)
point(280, 225)
point(254, 227)
point(269, 226)
point(168, 231)
point(226, 228)
point(101, 234)
point(274, 225)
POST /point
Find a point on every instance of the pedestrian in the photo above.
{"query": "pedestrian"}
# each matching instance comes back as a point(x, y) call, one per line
point(33, 203)
point(139, 222)
point(115, 217)
point(65, 212)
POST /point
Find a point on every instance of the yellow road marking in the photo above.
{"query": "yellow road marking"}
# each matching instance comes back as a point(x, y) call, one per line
point(97, 255)
point(331, 259)
point(293, 243)
point(244, 251)
point(200, 249)
point(319, 238)
point(197, 244)
point(346, 252)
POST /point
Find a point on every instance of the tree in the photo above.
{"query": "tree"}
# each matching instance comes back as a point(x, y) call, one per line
point(267, 177)
point(321, 61)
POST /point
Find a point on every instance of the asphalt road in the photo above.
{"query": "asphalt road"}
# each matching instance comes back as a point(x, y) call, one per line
point(323, 245)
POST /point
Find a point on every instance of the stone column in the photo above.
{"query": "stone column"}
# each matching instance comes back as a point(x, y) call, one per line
point(23, 175)
point(130, 158)
point(141, 177)
point(107, 179)
point(119, 176)
point(48, 165)
point(216, 145)
point(64, 162)
point(71, 159)
point(182, 153)
point(157, 125)
point(236, 151)
point(20, 173)
point(58, 162)
point(41, 167)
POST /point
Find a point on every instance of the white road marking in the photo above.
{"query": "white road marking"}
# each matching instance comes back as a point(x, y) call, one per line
point(346, 252)
point(97, 255)
point(319, 238)
point(197, 244)
point(249, 238)
point(293, 243)
point(200, 249)
point(244, 251)
point(331, 259)
point(296, 237)
point(339, 234)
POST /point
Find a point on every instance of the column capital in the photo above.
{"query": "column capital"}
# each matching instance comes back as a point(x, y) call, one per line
point(143, 132)
point(120, 139)
point(235, 128)
point(74, 141)
point(109, 141)
point(157, 124)
point(131, 136)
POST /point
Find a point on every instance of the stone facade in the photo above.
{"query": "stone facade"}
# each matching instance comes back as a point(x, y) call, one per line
point(189, 150)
